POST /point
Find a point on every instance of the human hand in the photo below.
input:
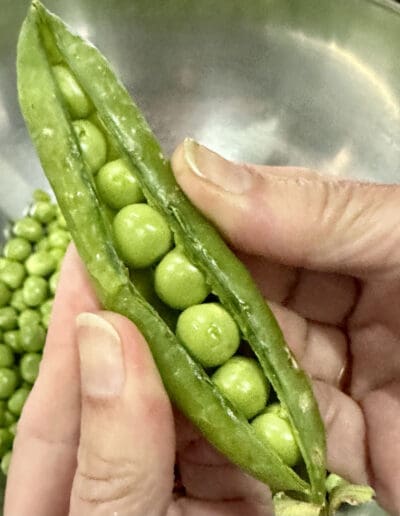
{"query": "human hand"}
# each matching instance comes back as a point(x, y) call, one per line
point(326, 253)
point(306, 239)
point(97, 434)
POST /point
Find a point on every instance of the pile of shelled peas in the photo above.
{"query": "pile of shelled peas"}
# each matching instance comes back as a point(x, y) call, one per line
point(29, 269)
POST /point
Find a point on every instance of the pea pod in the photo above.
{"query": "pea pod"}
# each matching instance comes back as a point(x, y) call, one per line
point(188, 385)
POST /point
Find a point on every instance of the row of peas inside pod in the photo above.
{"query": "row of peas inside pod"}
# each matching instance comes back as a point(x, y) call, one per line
point(173, 285)
point(29, 269)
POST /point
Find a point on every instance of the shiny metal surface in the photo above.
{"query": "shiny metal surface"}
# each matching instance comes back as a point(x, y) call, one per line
point(314, 83)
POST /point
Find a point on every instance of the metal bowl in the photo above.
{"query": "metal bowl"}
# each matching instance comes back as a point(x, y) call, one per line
point(314, 83)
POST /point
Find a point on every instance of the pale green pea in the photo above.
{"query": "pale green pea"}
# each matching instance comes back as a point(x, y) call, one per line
point(6, 356)
point(277, 432)
point(43, 245)
point(43, 212)
point(46, 320)
point(5, 294)
point(78, 103)
point(8, 318)
point(8, 382)
point(35, 290)
point(58, 254)
point(243, 382)
point(12, 273)
point(142, 235)
point(17, 249)
point(53, 281)
point(61, 219)
point(29, 367)
point(28, 228)
point(112, 150)
point(9, 417)
point(28, 317)
point(92, 143)
point(13, 427)
point(117, 186)
point(17, 401)
point(178, 282)
point(12, 339)
point(209, 333)
point(59, 238)
point(46, 307)
point(17, 300)
point(53, 226)
point(40, 263)
point(5, 462)
point(32, 338)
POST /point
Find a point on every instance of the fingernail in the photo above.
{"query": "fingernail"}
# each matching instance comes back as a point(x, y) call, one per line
point(203, 162)
point(101, 357)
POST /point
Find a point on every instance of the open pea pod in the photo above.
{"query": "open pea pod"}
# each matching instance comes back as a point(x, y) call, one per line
point(44, 40)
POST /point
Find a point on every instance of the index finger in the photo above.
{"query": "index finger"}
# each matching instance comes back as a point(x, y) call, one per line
point(45, 449)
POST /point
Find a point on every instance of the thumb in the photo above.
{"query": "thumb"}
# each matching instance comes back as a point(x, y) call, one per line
point(125, 466)
point(294, 216)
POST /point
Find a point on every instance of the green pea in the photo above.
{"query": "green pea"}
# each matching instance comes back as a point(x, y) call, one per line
point(40, 263)
point(8, 318)
point(29, 366)
point(17, 401)
point(142, 235)
point(43, 245)
point(77, 101)
point(17, 300)
point(5, 294)
point(6, 356)
point(28, 228)
point(28, 317)
point(117, 186)
point(32, 337)
point(92, 143)
point(53, 226)
point(8, 382)
point(113, 152)
point(58, 254)
point(61, 220)
point(178, 282)
point(53, 281)
point(9, 417)
point(59, 238)
point(12, 273)
point(46, 307)
point(209, 333)
point(1, 335)
point(277, 433)
point(13, 428)
point(17, 249)
point(5, 462)
point(243, 382)
point(43, 211)
point(6, 439)
point(13, 341)
point(40, 195)
point(35, 290)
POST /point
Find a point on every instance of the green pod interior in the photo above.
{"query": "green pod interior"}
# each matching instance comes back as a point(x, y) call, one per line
point(186, 382)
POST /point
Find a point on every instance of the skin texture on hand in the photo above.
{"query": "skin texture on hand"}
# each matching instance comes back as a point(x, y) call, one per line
point(326, 255)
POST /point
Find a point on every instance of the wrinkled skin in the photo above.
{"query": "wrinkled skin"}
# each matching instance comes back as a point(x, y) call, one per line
point(326, 254)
